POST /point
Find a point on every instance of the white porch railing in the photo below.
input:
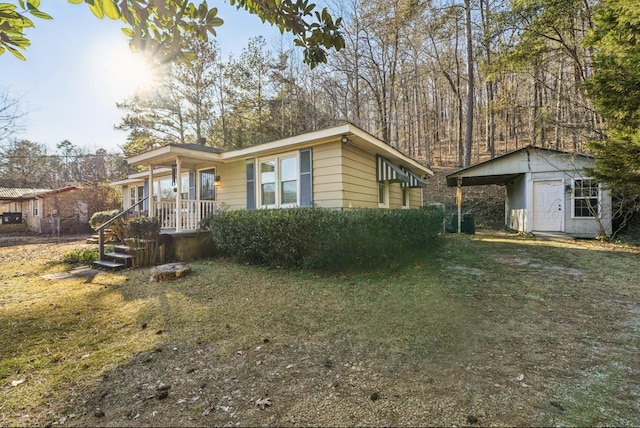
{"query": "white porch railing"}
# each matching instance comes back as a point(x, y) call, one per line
point(191, 212)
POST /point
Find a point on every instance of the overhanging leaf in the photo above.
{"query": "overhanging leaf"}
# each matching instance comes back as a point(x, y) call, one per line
point(40, 14)
point(111, 9)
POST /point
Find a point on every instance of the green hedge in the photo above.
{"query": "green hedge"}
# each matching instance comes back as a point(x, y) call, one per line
point(324, 239)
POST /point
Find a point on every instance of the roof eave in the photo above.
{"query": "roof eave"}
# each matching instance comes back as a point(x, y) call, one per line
point(163, 154)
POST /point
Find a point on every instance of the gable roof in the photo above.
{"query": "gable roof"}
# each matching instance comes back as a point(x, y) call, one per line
point(502, 169)
point(165, 156)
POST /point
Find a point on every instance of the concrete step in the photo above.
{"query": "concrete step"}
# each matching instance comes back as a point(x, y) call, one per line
point(119, 256)
point(108, 264)
point(127, 259)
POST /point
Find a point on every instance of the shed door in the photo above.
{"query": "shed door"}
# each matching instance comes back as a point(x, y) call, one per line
point(548, 205)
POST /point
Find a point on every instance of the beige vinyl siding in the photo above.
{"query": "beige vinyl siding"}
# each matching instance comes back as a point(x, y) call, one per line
point(359, 175)
point(327, 172)
point(415, 197)
point(232, 191)
point(395, 195)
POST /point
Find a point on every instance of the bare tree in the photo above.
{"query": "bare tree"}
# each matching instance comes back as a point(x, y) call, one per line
point(11, 115)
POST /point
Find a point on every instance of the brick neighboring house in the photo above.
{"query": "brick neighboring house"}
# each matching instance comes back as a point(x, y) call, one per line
point(45, 210)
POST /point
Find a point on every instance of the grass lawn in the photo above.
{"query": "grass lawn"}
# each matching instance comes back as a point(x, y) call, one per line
point(488, 330)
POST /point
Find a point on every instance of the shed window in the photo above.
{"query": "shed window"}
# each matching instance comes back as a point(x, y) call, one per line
point(585, 198)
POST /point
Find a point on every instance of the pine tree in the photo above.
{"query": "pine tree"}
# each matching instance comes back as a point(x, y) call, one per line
point(615, 89)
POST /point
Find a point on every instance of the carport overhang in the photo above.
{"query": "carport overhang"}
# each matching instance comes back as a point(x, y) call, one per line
point(475, 176)
point(460, 179)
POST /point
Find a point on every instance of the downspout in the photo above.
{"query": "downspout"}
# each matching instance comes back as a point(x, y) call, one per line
point(459, 202)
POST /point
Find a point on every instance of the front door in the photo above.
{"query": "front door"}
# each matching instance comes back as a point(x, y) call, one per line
point(548, 205)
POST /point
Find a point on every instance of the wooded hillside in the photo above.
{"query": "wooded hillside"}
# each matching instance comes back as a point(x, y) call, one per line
point(450, 82)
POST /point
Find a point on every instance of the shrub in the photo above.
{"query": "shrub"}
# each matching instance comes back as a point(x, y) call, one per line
point(80, 256)
point(324, 239)
point(101, 217)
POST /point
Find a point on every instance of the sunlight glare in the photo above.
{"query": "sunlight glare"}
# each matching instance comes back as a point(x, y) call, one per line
point(125, 73)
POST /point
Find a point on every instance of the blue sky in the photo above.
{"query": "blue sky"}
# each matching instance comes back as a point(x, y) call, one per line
point(71, 80)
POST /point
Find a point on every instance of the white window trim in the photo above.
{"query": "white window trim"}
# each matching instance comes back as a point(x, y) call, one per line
point(385, 204)
point(573, 200)
point(36, 208)
point(258, 180)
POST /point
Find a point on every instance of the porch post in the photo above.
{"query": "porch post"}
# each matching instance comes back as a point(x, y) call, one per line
point(459, 202)
point(179, 194)
point(152, 202)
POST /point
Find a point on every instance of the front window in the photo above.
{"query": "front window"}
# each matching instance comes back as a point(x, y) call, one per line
point(279, 182)
point(207, 185)
point(288, 181)
point(268, 183)
point(585, 198)
point(163, 189)
point(136, 194)
point(36, 207)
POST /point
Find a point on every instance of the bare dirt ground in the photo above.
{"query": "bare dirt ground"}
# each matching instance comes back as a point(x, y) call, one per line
point(534, 335)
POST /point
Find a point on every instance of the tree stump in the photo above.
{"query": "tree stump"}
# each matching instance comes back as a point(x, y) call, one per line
point(169, 271)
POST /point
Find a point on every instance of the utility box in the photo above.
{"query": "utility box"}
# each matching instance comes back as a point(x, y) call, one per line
point(468, 224)
point(11, 218)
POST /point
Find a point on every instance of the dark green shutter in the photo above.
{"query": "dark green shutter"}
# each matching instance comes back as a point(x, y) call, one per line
point(306, 178)
point(251, 185)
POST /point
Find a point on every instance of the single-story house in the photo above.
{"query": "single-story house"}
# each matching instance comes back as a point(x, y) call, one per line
point(546, 190)
point(43, 209)
point(340, 167)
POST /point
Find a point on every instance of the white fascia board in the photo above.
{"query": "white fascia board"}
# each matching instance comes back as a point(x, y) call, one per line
point(171, 151)
point(308, 139)
point(142, 158)
point(323, 136)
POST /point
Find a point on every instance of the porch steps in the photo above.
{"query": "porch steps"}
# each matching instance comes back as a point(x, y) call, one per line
point(119, 258)
point(123, 255)
point(123, 258)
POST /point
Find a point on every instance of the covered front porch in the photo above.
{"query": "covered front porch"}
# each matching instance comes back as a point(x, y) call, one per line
point(181, 181)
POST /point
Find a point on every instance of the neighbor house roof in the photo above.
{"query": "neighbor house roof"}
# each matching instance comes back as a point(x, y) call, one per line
point(193, 153)
point(488, 172)
point(16, 194)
